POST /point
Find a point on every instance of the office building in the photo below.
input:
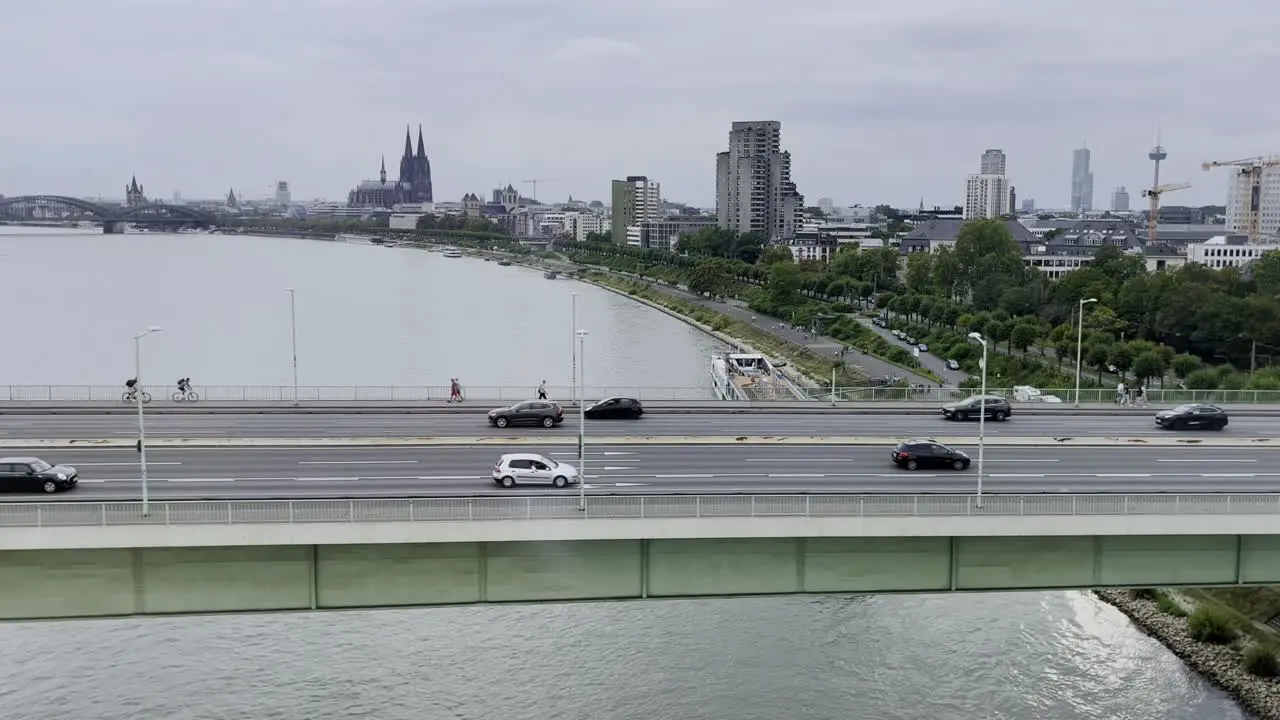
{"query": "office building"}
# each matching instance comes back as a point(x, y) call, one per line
point(1238, 202)
point(1081, 181)
point(1120, 200)
point(754, 191)
point(283, 196)
point(635, 200)
point(986, 196)
point(993, 163)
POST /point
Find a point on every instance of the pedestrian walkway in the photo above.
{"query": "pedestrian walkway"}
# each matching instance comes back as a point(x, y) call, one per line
point(820, 345)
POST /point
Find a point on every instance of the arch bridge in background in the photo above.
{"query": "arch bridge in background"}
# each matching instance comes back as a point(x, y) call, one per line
point(17, 208)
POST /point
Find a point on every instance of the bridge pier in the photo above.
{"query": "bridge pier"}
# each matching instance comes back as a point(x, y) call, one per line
point(112, 228)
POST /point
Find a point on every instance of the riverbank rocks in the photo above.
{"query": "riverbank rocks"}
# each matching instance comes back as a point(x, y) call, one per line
point(1219, 664)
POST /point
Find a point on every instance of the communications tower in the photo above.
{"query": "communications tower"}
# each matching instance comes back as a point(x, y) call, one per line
point(1156, 155)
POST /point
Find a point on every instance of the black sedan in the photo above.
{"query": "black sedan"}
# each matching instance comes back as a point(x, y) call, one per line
point(928, 453)
point(529, 412)
point(614, 409)
point(1193, 416)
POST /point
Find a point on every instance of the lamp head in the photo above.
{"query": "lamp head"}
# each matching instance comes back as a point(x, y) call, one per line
point(154, 329)
point(1090, 300)
point(977, 337)
point(289, 290)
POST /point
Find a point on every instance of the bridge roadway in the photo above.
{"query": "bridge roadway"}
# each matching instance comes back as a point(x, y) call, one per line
point(658, 423)
point(329, 472)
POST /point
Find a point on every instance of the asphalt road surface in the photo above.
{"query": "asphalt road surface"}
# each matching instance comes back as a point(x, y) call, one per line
point(1137, 424)
point(264, 472)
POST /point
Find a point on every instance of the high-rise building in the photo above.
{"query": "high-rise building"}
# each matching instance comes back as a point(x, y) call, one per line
point(986, 196)
point(993, 162)
point(635, 200)
point(1081, 181)
point(1239, 200)
point(1028, 205)
point(754, 191)
point(826, 205)
point(283, 196)
point(1120, 200)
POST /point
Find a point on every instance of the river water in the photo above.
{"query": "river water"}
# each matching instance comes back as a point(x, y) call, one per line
point(390, 316)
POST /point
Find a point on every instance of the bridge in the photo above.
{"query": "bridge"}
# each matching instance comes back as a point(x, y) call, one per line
point(112, 218)
point(71, 560)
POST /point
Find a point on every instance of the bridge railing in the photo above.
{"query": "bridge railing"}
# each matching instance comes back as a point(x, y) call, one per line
point(524, 508)
point(509, 393)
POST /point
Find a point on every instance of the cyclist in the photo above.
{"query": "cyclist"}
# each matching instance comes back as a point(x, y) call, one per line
point(184, 385)
point(131, 385)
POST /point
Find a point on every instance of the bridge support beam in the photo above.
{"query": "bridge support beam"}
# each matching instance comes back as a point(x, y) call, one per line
point(112, 228)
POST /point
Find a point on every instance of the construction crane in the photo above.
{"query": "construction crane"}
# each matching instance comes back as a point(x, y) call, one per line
point(1252, 168)
point(535, 182)
point(1153, 215)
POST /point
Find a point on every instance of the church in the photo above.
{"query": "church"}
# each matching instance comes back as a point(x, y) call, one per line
point(414, 185)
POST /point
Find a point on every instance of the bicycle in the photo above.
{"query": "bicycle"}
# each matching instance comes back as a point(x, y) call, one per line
point(131, 397)
point(188, 396)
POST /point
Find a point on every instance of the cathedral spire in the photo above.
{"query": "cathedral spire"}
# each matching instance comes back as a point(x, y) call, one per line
point(422, 149)
point(382, 174)
point(408, 142)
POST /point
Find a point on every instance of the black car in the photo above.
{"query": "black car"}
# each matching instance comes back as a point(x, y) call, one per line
point(529, 412)
point(997, 408)
point(1193, 416)
point(614, 408)
point(29, 474)
point(919, 453)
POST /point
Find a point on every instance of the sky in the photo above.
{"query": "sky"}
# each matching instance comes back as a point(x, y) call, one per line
point(881, 102)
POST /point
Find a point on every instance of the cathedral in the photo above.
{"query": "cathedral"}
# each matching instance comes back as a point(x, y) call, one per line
point(414, 185)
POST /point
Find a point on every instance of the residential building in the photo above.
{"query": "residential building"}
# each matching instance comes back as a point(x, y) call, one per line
point(1028, 205)
point(993, 163)
point(283, 197)
point(826, 205)
point(1161, 257)
point(1238, 203)
point(665, 233)
point(1231, 250)
point(635, 200)
point(817, 242)
point(754, 191)
point(986, 196)
point(1120, 200)
point(1081, 182)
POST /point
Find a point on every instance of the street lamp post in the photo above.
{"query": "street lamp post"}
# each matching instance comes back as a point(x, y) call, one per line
point(573, 383)
point(582, 430)
point(982, 410)
point(142, 424)
point(1080, 341)
point(293, 333)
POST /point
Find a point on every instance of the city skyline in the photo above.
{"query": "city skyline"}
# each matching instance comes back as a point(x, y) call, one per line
point(261, 94)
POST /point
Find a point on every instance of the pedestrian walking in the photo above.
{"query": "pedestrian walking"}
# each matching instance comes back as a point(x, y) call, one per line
point(542, 390)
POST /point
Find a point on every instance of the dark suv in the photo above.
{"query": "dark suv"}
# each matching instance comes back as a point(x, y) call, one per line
point(529, 412)
point(997, 408)
point(919, 453)
point(25, 474)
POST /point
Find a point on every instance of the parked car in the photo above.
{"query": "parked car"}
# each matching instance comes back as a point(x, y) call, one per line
point(614, 408)
point(529, 412)
point(31, 474)
point(531, 469)
point(953, 365)
point(996, 407)
point(919, 453)
point(1197, 416)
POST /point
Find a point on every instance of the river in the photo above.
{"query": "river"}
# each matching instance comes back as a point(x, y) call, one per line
point(378, 315)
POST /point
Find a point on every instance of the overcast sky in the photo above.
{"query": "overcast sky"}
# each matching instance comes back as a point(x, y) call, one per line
point(880, 101)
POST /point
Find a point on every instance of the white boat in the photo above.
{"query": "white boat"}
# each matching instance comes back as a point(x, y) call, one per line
point(750, 376)
point(452, 252)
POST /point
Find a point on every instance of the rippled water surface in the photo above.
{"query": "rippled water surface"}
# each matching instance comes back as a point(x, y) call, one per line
point(1060, 656)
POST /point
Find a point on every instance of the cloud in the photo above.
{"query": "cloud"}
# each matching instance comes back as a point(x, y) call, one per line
point(880, 102)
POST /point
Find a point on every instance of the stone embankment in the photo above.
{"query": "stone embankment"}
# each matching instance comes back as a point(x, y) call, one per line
point(1220, 664)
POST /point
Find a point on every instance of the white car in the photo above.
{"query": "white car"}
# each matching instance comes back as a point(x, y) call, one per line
point(531, 469)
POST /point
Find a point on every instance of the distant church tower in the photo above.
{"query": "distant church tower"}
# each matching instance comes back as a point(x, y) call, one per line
point(231, 199)
point(133, 196)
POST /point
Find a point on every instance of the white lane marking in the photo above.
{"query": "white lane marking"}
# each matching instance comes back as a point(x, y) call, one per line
point(607, 453)
point(1014, 475)
point(1116, 475)
point(1228, 475)
point(794, 475)
point(122, 464)
point(357, 462)
point(178, 433)
point(686, 477)
point(852, 460)
point(626, 484)
point(1206, 460)
point(617, 468)
point(350, 478)
point(200, 480)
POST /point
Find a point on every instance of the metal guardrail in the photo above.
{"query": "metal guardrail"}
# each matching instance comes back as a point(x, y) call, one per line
point(488, 509)
point(501, 394)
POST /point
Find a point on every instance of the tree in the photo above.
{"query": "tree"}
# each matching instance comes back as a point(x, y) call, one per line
point(775, 254)
point(1183, 365)
point(990, 260)
point(710, 277)
point(919, 274)
point(1121, 357)
point(783, 283)
point(1097, 356)
point(1148, 365)
point(1024, 335)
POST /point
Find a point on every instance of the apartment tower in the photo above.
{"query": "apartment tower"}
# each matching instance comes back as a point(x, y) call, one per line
point(754, 191)
point(988, 194)
point(635, 200)
point(1081, 182)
